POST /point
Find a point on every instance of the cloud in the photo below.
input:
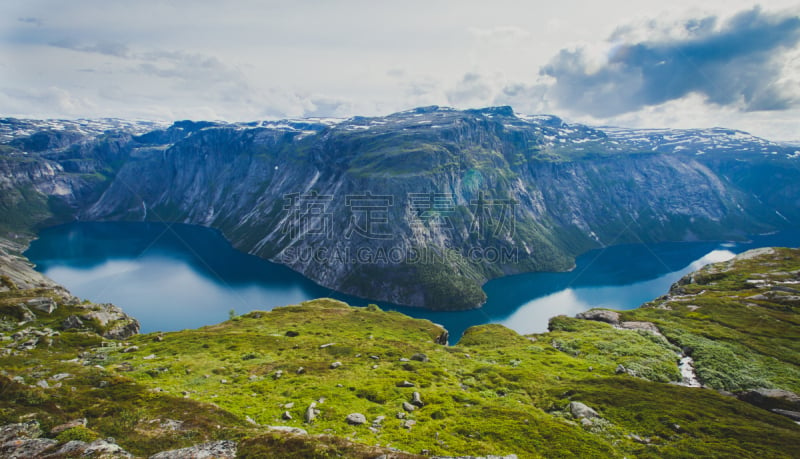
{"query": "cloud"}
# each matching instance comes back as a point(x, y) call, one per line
point(31, 20)
point(737, 63)
point(471, 91)
point(104, 47)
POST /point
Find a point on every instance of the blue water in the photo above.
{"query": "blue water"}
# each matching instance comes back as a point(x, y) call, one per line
point(173, 277)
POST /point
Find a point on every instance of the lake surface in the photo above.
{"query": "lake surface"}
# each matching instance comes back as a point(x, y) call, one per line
point(173, 277)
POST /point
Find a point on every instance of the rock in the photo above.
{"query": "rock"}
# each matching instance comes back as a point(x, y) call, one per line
point(416, 400)
point(586, 422)
point(374, 357)
point(130, 349)
point(224, 449)
point(405, 384)
point(68, 425)
point(641, 326)
point(335, 365)
point(27, 447)
point(300, 370)
point(620, 369)
point(28, 429)
point(289, 405)
point(771, 398)
point(44, 304)
point(278, 374)
point(43, 384)
point(106, 449)
point(323, 346)
point(401, 415)
point(73, 448)
point(292, 333)
point(600, 315)
point(793, 415)
point(409, 423)
point(420, 357)
point(288, 429)
point(579, 410)
point(24, 314)
point(60, 376)
point(442, 338)
point(311, 412)
point(374, 367)
point(356, 419)
point(408, 407)
point(250, 420)
point(149, 357)
point(72, 322)
point(287, 416)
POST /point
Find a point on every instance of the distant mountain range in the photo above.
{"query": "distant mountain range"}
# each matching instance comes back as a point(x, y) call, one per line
point(419, 207)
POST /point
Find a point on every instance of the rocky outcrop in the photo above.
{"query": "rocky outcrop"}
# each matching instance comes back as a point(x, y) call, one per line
point(601, 315)
point(224, 449)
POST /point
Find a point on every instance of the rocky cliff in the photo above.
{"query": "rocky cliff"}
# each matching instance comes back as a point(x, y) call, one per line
point(419, 207)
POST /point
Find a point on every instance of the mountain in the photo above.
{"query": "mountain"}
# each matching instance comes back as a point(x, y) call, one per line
point(710, 369)
point(419, 207)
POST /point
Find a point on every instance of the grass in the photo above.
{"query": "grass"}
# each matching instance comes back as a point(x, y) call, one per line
point(495, 392)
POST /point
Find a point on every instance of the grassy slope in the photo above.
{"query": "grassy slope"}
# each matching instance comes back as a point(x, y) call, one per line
point(495, 392)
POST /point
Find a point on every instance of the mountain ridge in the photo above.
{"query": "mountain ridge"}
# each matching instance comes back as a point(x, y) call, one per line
point(476, 194)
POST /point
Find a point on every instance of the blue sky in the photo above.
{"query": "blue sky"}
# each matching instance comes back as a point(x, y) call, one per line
point(630, 63)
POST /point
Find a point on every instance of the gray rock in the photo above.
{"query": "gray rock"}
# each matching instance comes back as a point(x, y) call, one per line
point(401, 415)
point(409, 423)
point(72, 322)
point(356, 419)
point(416, 400)
point(278, 374)
point(420, 357)
point(771, 398)
point(405, 384)
point(44, 304)
point(409, 407)
point(335, 365)
point(224, 449)
point(288, 429)
point(130, 349)
point(27, 447)
point(24, 314)
point(60, 376)
point(300, 370)
point(286, 416)
point(28, 429)
point(641, 326)
point(73, 448)
point(105, 449)
point(793, 415)
point(600, 315)
point(311, 412)
point(579, 410)
point(68, 425)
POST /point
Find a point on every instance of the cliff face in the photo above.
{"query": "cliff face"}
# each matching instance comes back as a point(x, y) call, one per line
point(422, 207)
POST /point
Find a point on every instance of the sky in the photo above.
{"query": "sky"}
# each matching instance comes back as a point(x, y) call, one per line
point(642, 64)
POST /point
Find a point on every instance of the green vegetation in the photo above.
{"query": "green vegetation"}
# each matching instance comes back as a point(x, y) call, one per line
point(495, 392)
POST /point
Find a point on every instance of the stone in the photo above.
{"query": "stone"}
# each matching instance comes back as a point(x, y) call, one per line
point(289, 405)
point(60, 376)
point(356, 419)
point(44, 304)
point(287, 416)
point(335, 365)
point(288, 429)
point(420, 357)
point(224, 449)
point(374, 367)
point(374, 357)
point(405, 384)
point(149, 357)
point(278, 374)
point(408, 407)
point(579, 410)
point(72, 322)
point(68, 425)
point(43, 384)
point(771, 398)
point(793, 415)
point(311, 412)
point(416, 400)
point(130, 349)
point(27, 447)
point(620, 369)
point(641, 326)
point(323, 346)
point(600, 315)
point(105, 448)
point(28, 429)
point(409, 423)
point(401, 415)
point(73, 448)
point(292, 333)
point(300, 370)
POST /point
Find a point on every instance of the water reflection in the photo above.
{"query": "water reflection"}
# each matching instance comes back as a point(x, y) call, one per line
point(177, 276)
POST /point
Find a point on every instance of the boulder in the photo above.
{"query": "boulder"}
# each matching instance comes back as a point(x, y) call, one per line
point(29, 429)
point(224, 449)
point(44, 304)
point(27, 447)
point(408, 407)
point(105, 449)
point(416, 399)
point(356, 419)
point(72, 322)
point(579, 410)
point(771, 398)
point(288, 429)
point(600, 315)
point(311, 412)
